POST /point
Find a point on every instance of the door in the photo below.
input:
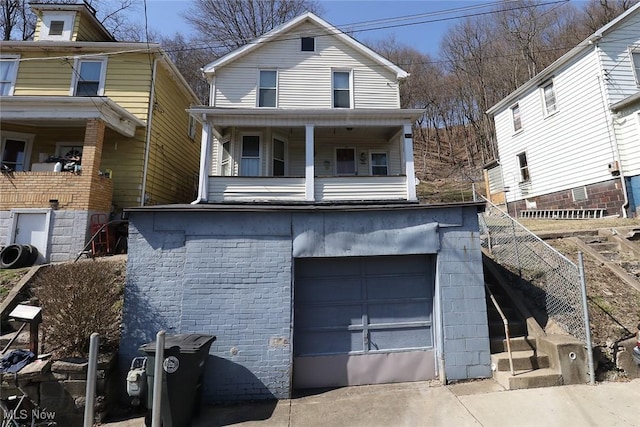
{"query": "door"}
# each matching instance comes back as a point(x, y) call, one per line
point(31, 229)
point(363, 320)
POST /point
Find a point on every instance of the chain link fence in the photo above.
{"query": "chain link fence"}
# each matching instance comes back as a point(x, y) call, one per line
point(549, 280)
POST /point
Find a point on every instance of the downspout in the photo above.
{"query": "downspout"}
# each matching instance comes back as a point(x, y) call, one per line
point(611, 131)
point(147, 144)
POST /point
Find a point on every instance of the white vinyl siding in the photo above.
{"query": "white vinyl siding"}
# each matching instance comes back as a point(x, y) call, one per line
point(570, 148)
point(304, 78)
point(628, 136)
point(615, 55)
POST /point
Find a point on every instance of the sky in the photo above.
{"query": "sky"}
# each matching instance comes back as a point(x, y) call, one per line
point(423, 31)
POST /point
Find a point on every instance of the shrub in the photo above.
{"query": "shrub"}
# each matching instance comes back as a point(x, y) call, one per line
point(77, 300)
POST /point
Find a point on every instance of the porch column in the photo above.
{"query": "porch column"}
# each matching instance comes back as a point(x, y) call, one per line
point(408, 160)
point(205, 164)
point(92, 149)
point(309, 168)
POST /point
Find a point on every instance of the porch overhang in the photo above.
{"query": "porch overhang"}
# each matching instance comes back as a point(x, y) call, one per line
point(56, 111)
point(224, 117)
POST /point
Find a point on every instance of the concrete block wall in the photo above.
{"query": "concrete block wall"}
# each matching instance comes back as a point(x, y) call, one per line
point(68, 234)
point(464, 311)
point(230, 275)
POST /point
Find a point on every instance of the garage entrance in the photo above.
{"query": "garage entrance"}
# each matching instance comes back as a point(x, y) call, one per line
point(363, 320)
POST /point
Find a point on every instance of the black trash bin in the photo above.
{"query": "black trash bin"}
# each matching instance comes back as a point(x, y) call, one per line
point(183, 368)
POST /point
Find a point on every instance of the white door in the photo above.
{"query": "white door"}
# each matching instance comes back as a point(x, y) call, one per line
point(31, 229)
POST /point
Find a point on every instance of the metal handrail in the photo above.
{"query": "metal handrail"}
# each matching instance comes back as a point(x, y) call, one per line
point(95, 235)
point(505, 322)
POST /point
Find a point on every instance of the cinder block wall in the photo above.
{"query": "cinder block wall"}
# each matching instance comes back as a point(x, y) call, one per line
point(230, 275)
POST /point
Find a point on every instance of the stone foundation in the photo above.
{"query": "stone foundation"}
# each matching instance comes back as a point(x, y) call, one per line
point(59, 387)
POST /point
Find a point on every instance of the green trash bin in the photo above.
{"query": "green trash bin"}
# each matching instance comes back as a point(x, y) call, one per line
point(183, 368)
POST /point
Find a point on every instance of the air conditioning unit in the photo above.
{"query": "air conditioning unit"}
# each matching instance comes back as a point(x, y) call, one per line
point(614, 168)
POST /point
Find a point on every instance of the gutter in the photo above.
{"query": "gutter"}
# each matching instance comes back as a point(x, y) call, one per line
point(147, 143)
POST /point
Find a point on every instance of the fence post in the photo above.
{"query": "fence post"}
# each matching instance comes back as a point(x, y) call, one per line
point(90, 393)
point(156, 420)
point(587, 325)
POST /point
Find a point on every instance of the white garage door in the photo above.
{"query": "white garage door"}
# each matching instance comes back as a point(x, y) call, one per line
point(363, 320)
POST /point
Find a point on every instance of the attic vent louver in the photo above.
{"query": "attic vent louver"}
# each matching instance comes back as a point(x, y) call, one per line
point(56, 28)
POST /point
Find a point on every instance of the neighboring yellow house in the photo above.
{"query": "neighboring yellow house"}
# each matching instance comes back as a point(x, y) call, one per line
point(88, 126)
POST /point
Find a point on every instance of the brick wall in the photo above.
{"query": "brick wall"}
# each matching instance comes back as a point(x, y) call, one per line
point(603, 195)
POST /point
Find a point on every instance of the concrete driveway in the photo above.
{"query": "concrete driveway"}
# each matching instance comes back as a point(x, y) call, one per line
point(476, 403)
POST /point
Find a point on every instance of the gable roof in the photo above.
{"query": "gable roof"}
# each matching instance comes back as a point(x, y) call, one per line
point(564, 59)
point(288, 26)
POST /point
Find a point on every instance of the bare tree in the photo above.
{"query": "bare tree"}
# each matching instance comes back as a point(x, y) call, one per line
point(229, 24)
point(599, 12)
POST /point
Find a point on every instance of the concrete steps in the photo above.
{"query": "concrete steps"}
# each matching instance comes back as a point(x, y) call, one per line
point(523, 360)
point(499, 345)
point(528, 379)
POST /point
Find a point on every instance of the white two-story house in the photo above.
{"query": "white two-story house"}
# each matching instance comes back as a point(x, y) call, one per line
point(307, 253)
point(569, 139)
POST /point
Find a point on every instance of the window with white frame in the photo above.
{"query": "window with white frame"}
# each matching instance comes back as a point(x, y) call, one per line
point(635, 59)
point(8, 73)
point(345, 161)
point(379, 163)
point(268, 88)
point(15, 152)
point(250, 157)
point(225, 159)
point(549, 98)
point(516, 117)
point(88, 77)
point(57, 26)
point(524, 167)
point(341, 89)
point(307, 44)
point(279, 157)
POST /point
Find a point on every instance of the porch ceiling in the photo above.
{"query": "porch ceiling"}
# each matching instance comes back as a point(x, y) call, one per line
point(61, 111)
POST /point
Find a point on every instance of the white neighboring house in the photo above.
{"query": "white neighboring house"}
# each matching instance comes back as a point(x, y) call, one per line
point(305, 113)
point(569, 138)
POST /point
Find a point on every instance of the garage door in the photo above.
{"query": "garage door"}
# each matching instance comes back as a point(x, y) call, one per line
point(363, 320)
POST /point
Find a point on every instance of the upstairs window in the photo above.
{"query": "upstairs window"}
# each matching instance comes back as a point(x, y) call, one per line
point(524, 167)
point(88, 76)
point(8, 72)
point(307, 44)
point(341, 89)
point(268, 88)
point(517, 119)
point(635, 58)
point(549, 97)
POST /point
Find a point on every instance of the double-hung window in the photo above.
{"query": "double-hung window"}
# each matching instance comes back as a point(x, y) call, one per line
point(250, 159)
point(635, 58)
point(379, 164)
point(341, 89)
point(8, 72)
point(516, 117)
point(524, 167)
point(88, 77)
point(15, 151)
point(225, 159)
point(549, 98)
point(268, 88)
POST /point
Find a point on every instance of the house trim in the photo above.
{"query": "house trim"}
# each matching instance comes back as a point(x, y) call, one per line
point(21, 109)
